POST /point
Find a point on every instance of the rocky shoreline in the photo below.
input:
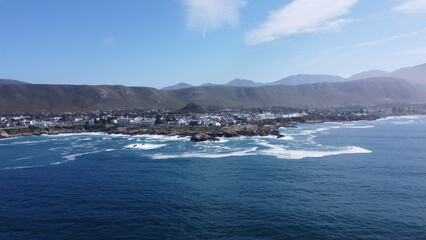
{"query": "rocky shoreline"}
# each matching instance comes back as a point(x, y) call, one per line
point(196, 134)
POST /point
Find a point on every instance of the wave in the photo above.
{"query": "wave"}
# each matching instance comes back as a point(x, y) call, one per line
point(207, 155)
point(109, 150)
point(22, 167)
point(24, 142)
point(84, 139)
point(322, 129)
point(403, 122)
point(162, 138)
point(72, 157)
point(23, 158)
point(359, 127)
point(413, 117)
point(76, 134)
point(287, 137)
point(144, 146)
point(280, 152)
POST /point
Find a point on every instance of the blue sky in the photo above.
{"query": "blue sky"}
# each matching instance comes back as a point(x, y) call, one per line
point(159, 43)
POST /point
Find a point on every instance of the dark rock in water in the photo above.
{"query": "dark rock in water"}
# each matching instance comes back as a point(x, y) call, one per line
point(280, 135)
point(229, 133)
point(201, 137)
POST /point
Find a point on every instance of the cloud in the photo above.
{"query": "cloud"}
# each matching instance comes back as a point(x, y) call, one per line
point(108, 40)
point(388, 39)
point(209, 15)
point(412, 7)
point(302, 16)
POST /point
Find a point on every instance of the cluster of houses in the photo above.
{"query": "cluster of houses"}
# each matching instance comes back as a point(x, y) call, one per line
point(211, 119)
point(28, 121)
point(166, 117)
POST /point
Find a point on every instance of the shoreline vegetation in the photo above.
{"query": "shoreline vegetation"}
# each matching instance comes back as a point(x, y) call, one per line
point(268, 127)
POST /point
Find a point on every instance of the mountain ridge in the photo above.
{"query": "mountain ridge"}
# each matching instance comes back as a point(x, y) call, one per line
point(11, 81)
point(63, 98)
point(415, 74)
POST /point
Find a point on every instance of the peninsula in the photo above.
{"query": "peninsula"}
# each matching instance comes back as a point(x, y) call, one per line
point(197, 126)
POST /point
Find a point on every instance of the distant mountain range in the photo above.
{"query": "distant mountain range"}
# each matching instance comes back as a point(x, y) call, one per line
point(367, 74)
point(63, 98)
point(10, 81)
point(17, 96)
point(414, 74)
point(180, 85)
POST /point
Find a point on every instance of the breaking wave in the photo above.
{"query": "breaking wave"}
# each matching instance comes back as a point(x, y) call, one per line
point(144, 146)
point(72, 157)
point(282, 152)
point(207, 155)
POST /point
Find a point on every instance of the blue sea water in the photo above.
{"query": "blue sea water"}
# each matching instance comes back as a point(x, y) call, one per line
point(357, 180)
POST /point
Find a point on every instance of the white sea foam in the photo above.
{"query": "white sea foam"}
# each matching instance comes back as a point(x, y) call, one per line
point(287, 138)
point(144, 146)
point(322, 129)
point(22, 167)
point(413, 117)
point(207, 155)
point(76, 134)
point(403, 122)
point(24, 142)
point(72, 157)
point(10, 138)
point(23, 158)
point(162, 138)
point(109, 150)
point(84, 139)
point(359, 127)
point(280, 152)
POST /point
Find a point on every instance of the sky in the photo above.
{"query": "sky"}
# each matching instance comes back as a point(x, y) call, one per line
point(158, 43)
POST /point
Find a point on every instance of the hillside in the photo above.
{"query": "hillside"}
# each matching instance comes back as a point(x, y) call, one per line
point(34, 97)
point(10, 81)
point(367, 74)
point(368, 91)
point(416, 74)
point(60, 98)
point(307, 79)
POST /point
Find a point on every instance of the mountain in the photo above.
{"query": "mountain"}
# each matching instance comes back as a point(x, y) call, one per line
point(208, 84)
point(62, 98)
point(180, 85)
point(416, 74)
point(10, 81)
point(367, 91)
point(244, 83)
point(307, 78)
point(367, 74)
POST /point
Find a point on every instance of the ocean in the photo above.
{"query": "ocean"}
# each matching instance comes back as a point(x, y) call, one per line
point(351, 180)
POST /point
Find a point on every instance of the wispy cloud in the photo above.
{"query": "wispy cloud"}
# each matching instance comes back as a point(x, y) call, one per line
point(388, 39)
point(108, 40)
point(417, 52)
point(302, 16)
point(412, 7)
point(209, 15)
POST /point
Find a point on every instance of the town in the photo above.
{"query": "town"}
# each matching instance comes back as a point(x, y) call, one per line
point(190, 120)
point(216, 119)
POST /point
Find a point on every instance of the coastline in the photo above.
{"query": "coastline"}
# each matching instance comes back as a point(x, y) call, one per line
point(195, 133)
